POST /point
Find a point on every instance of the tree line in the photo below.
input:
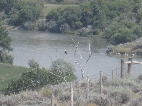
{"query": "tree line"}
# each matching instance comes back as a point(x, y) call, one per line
point(118, 21)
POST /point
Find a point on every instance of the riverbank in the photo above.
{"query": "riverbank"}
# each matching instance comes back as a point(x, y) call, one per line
point(127, 49)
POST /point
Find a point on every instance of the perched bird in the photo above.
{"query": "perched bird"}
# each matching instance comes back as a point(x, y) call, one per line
point(65, 52)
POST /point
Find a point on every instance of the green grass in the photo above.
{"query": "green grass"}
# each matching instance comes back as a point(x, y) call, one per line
point(8, 72)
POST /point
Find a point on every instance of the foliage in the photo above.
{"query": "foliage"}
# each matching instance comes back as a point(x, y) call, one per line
point(5, 40)
point(28, 25)
point(32, 63)
point(68, 18)
point(5, 57)
point(52, 26)
point(65, 28)
point(84, 31)
point(62, 67)
point(42, 26)
point(21, 11)
point(118, 21)
point(28, 79)
point(7, 72)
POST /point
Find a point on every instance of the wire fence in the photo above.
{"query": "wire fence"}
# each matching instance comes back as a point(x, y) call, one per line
point(102, 89)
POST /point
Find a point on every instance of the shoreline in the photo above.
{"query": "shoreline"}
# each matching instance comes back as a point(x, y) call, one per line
point(127, 49)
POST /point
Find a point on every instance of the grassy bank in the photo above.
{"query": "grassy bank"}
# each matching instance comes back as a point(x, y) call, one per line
point(8, 72)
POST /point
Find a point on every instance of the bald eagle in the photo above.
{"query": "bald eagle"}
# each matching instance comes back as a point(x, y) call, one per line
point(65, 52)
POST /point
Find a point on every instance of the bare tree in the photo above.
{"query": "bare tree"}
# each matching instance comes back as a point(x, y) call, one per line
point(79, 63)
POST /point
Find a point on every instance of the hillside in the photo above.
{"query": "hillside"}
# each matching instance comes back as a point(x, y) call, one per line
point(127, 92)
point(9, 72)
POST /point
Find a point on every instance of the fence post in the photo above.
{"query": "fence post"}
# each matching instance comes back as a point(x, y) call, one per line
point(116, 72)
point(71, 90)
point(52, 99)
point(112, 74)
point(87, 93)
point(38, 77)
point(122, 69)
point(101, 84)
point(130, 67)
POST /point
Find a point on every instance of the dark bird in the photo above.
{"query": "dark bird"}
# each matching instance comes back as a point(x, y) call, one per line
point(65, 52)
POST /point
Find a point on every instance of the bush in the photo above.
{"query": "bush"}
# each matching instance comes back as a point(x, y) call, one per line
point(84, 31)
point(32, 63)
point(136, 102)
point(42, 26)
point(65, 28)
point(28, 26)
point(5, 57)
point(52, 26)
point(62, 67)
point(27, 81)
point(121, 97)
point(100, 101)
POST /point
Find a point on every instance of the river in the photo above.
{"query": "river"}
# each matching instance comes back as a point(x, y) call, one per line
point(46, 47)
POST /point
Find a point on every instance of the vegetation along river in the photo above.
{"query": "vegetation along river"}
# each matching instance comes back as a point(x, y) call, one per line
point(46, 47)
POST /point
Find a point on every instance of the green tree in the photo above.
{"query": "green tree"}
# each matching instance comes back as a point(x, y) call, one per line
point(87, 14)
point(62, 67)
point(28, 80)
point(24, 11)
point(5, 40)
point(70, 15)
point(7, 5)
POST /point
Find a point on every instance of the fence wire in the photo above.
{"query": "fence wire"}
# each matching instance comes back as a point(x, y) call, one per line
point(86, 92)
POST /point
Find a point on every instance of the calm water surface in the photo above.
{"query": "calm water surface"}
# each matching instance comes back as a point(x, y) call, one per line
point(46, 47)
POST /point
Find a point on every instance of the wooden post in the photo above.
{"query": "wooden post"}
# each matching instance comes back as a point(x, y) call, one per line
point(116, 72)
point(112, 74)
point(130, 67)
point(52, 99)
point(71, 90)
point(38, 77)
point(87, 93)
point(122, 69)
point(101, 84)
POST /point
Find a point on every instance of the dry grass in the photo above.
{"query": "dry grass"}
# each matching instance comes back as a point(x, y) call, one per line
point(119, 92)
point(119, 49)
point(49, 7)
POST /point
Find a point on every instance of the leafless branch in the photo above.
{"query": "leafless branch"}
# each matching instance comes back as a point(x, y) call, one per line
point(79, 63)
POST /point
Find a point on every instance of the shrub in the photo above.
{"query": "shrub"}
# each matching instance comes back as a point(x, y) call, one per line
point(32, 63)
point(100, 101)
point(28, 25)
point(64, 28)
point(52, 26)
point(136, 102)
point(121, 96)
point(27, 81)
point(6, 58)
point(84, 31)
point(62, 67)
point(42, 26)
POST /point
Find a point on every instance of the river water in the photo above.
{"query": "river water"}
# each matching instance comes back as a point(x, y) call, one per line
point(46, 47)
